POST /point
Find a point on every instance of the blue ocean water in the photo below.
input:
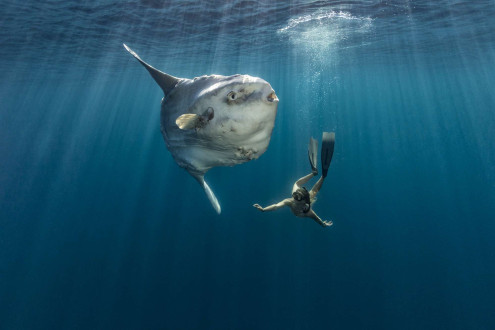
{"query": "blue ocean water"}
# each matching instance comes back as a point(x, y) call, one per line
point(99, 228)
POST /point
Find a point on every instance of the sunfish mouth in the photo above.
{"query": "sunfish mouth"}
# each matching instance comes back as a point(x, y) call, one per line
point(272, 97)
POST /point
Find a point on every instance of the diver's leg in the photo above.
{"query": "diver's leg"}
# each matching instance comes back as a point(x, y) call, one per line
point(316, 187)
point(302, 181)
point(311, 214)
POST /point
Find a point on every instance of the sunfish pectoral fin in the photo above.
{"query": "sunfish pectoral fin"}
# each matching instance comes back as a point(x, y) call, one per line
point(165, 81)
point(188, 121)
point(211, 196)
point(193, 121)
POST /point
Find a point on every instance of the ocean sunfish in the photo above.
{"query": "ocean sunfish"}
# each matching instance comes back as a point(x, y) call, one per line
point(214, 120)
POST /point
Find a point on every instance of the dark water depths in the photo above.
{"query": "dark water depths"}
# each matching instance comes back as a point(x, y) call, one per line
point(99, 228)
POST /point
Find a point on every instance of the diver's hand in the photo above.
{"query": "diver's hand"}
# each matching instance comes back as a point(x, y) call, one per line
point(258, 207)
point(326, 223)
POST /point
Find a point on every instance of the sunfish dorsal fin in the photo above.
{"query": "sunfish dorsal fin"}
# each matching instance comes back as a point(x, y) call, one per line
point(211, 196)
point(165, 81)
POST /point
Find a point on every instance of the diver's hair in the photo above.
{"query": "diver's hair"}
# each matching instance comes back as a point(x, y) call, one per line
point(304, 193)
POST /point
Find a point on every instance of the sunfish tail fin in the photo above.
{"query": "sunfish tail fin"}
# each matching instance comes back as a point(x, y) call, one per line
point(165, 81)
point(211, 196)
point(327, 145)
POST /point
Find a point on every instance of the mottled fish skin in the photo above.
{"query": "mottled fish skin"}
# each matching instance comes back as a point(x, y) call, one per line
point(237, 129)
point(247, 124)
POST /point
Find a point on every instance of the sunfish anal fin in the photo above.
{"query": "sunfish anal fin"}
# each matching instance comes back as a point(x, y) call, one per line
point(211, 196)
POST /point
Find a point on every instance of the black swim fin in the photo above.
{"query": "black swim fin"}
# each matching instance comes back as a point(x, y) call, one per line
point(327, 144)
point(313, 155)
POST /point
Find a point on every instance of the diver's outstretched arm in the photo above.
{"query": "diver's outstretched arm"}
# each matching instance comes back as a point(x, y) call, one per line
point(274, 206)
point(315, 217)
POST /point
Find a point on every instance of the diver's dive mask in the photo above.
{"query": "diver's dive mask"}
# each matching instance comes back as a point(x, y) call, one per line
point(301, 194)
point(297, 196)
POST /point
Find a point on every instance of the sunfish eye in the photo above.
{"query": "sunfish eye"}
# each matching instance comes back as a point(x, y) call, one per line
point(232, 96)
